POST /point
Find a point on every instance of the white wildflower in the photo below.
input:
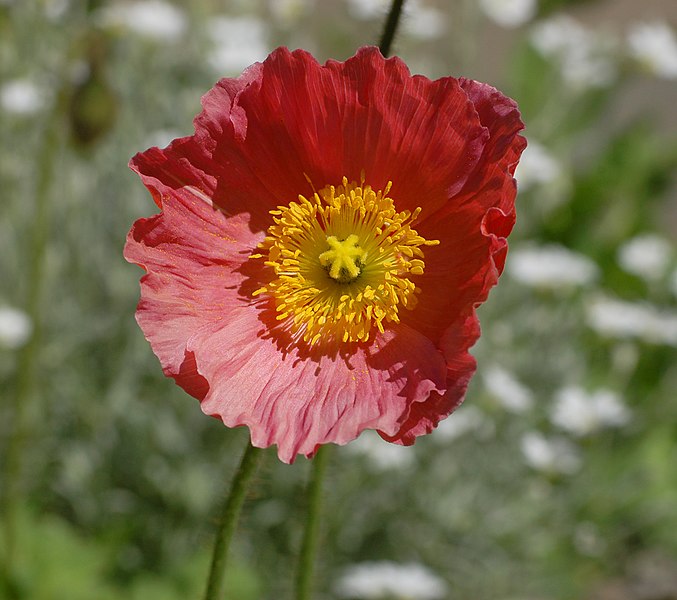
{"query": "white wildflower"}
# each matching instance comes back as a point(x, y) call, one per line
point(654, 45)
point(585, 58)
point(509, 392)
point(15, 327)
point(627, 320)
point(154, 19)
point(647, 256)
point(509, 13)
point(555, 455)
point(390, 580)
point(551, 266)
point(288, 12)
point(587, 539)
point(463, 420)
point(381, 454)
point(366, 10)
point(21, 97)
point(237, 43)
point(424, 23)
point(582, 413)
point(537, 166)
point(56, 9)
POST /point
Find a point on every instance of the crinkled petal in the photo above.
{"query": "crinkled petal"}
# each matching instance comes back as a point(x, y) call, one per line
point(294, 126)
point(424, 416)
point(473, 225)
point(191, 253)
point(299, 400)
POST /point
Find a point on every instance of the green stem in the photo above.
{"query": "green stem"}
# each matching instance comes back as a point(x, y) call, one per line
point(228, 520)
point(27, 359)
point(391, 27)
point(304, 575)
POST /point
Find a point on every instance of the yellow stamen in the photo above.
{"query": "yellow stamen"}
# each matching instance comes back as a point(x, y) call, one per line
point(342, 263)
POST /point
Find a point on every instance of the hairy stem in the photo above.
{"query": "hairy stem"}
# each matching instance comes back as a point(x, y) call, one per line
point(304, 575)
point(228, 520)
point(391, 26)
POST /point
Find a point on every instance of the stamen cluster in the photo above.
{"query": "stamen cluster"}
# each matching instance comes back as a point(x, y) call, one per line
point(342, 263)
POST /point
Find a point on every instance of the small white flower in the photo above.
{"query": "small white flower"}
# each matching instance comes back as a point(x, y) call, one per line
point(551, 266)
point(385, 579)
point(15, 327)
point(288, 12)
point(582, 413)
point(463, 420)
point(511, 394)
point(21, 97)
point(585, 58)
point(238, 42)
point(654, 45)
point(551, 455)
point(381, 454)
point(509, 13)
point(55, 9)
point(424, 23)
point(587, 539)
point(537, 166)
point(647, 256)
point(627, 320)
point(154, 19)
point(558, 35)
point(366, 10)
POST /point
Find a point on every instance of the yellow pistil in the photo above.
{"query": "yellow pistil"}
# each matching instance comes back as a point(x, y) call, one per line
point(342, 263)
point(343, 259)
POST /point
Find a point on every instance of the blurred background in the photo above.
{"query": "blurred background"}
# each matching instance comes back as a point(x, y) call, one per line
point(558, 477)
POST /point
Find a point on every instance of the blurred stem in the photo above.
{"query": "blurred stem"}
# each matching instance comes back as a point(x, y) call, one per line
point(27, 359)
point(391, 27)
point(304, 574)
point(228, 520)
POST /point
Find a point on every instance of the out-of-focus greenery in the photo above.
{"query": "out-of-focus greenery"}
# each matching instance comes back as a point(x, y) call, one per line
point(121, 474)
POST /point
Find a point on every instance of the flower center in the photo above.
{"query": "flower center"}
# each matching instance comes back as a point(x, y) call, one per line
point(342, 263)
point(343, 259)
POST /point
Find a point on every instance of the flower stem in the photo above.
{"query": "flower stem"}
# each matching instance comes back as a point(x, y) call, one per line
point(391, 26)
point(28, 355)
point(304, 574)
point(228, 520)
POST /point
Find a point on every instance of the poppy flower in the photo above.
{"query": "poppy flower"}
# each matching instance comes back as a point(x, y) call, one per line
point(324, 239)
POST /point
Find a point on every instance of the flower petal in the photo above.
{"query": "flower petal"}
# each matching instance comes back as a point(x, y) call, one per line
point(367, 114)
point(191, 253)
point(300, 400)
point(425, 416)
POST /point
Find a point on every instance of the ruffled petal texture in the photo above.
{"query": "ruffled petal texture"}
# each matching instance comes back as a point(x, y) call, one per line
point(288, 127)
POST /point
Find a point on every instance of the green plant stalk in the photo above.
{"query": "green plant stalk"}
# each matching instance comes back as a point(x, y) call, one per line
point(228, 520)
point(391, 27)
point(304, 573)
point(27, 359)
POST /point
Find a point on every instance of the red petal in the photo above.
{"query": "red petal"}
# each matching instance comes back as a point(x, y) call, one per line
point(425, 416)
point(192, 254)
point(298, 400)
